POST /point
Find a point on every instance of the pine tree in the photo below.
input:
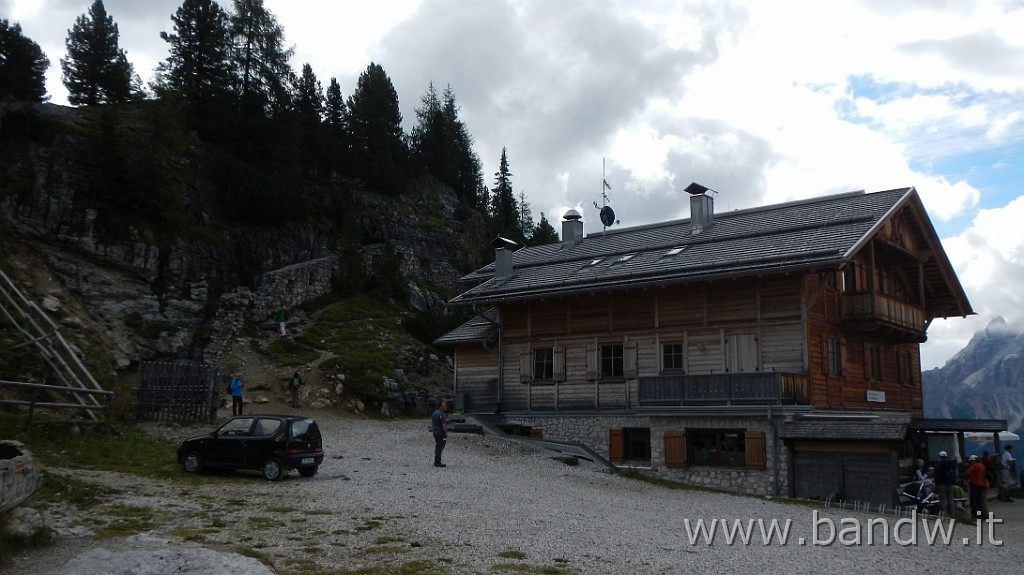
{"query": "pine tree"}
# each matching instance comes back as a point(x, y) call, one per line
point(22, 66)
point(375, 123)
point(260, 59)
point(96, 70)
point(336, 124)
point(525, 222)
point(199, 64)
point(503, 209)
point(308, 101)
point(543, 233)
point(443, 147)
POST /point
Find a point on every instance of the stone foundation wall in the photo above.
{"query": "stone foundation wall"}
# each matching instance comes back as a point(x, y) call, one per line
point(592, 430)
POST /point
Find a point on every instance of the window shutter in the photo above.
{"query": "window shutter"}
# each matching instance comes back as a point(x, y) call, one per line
point(559, 363)
point(525, 367)
point(593, 363)
point(629, 369)
point(615, 454)
point(675, 449)
point(754, 443)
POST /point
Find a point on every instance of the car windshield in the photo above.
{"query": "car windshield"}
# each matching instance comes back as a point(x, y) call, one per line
point(305, 430)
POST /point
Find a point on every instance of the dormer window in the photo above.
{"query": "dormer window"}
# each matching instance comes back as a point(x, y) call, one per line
point(625, 258)
point(593, 262)
point(674, 251)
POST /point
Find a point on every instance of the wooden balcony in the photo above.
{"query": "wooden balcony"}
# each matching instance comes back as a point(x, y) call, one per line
point(865, 311)
point(724, 389)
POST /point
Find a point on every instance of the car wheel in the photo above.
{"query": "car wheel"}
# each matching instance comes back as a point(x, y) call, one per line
point(309, 471)
point(273, 469)
point(193, 462)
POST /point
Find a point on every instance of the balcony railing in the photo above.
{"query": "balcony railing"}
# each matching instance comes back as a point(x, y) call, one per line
point(858, 307)
point(724, 389)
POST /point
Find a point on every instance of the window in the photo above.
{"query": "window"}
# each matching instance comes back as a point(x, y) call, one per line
point(266, 426)
point(873, 359)
point(906, 368)
point(718, 447)
point(543, 363)
point(672, 357)
point(629, 444)
point(612, 361)
point(674, 251)
point(625, 258)
point(834, 359)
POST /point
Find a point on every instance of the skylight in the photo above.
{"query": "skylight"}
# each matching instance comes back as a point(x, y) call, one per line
point(593, 262)
point(625, 258)
point(674, 251)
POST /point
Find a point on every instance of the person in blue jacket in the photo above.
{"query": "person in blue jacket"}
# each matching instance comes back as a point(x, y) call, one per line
point(235, 388)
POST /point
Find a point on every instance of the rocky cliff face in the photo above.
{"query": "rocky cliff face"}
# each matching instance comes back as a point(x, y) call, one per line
point(984, 380)
point(168, 300)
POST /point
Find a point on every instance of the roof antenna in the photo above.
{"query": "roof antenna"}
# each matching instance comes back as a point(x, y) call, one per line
point(607, 213)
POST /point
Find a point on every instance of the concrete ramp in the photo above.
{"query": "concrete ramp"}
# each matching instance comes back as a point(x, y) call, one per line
point(489, 424)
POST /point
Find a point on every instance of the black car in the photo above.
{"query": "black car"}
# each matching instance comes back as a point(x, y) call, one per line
point(270, 443)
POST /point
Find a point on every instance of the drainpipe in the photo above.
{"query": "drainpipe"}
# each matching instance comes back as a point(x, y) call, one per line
point(501, 361)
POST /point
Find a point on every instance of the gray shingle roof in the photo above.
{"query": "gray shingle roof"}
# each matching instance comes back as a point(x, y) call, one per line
point(815, 233)
point(481, 328)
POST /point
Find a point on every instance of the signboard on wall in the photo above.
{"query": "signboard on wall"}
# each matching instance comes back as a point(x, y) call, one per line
point(876, 396)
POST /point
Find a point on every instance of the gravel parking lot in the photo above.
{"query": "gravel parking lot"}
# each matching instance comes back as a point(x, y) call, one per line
point(499, 506)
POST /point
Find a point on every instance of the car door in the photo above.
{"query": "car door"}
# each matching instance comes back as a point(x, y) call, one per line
point(266, 437)
point(227, 449)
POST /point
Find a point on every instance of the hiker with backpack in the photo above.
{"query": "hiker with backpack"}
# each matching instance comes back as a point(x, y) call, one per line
point(293, 387)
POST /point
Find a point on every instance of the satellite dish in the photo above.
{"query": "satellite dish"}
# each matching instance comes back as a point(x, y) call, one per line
point(607, 216)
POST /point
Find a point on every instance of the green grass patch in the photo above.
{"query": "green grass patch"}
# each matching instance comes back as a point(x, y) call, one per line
point(131, 449)
point(289, 352)
point(531, 569)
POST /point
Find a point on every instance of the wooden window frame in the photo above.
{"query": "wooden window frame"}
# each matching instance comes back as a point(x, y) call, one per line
point(544, 364)
point(612, 361)
point(665, 354)
point(695, 437)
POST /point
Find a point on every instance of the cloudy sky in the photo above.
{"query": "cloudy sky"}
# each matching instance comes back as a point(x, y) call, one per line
point(761, 101)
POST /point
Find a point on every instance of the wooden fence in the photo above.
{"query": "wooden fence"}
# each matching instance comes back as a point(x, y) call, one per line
point(182, 392)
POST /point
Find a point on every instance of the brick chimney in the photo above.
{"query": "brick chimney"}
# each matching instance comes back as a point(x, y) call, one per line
point(572, 227)
point(702, 207)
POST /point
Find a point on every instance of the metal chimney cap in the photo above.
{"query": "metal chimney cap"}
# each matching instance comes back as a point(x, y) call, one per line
point(572, 215)
point(696, 189)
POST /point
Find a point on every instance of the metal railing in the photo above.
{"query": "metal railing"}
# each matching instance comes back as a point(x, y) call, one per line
point(39, 396)
point(724, 389)
point(39, 331)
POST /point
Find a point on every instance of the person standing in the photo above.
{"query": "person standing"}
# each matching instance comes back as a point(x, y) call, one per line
point(293, 387)
point(439, 427)
point(281, 315)
point(945, 479)
point(235, 389)
point(1006, 474)
point(977, 485)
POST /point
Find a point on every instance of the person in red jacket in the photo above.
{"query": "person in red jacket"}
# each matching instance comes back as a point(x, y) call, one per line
point(977, 485)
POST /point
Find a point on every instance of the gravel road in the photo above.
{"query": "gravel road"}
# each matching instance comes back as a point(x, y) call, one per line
point(499, 506)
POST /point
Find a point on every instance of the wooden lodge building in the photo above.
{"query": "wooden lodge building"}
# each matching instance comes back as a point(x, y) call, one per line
point(772, 350)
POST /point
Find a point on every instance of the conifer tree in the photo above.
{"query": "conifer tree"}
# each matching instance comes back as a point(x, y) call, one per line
point(336, 124)
point(199, 64)
point(96, 70)
point(443, 147)
point(260, 59)
point(543, 233)
point(22, 65)
point(504, 209)
point(375, 123)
